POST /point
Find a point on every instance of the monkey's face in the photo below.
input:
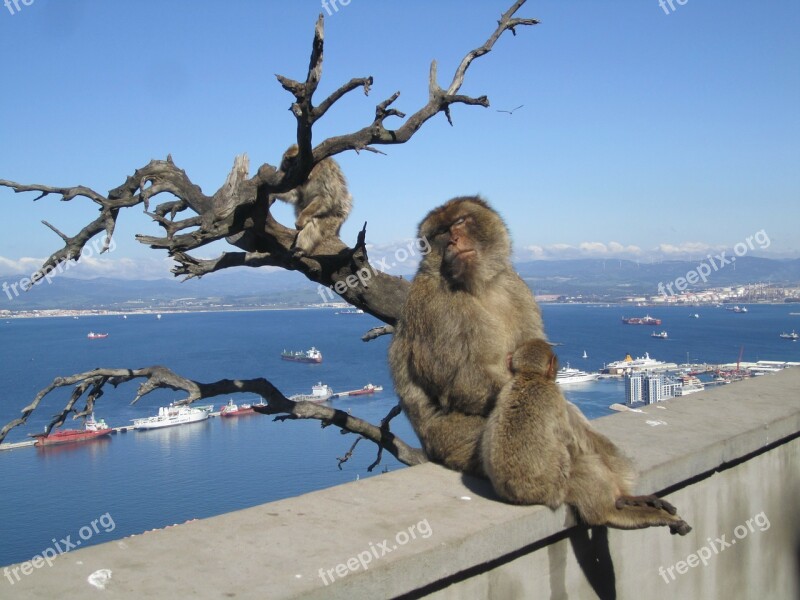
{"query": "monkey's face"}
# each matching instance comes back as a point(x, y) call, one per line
point(535, 357)
point(469, 241)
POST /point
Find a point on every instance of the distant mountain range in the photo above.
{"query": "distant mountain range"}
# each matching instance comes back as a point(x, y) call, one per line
point(615, 277)
point(249, 288)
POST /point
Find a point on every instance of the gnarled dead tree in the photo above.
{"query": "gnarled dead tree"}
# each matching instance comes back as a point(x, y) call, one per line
point(239, 212)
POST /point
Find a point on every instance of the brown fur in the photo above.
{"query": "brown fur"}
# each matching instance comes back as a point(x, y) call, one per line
point(539, 449)
point(321, 204)
point(526, 444)
point(464, 314)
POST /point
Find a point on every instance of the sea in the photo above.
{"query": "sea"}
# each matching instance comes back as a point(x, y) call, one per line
point(137, 481)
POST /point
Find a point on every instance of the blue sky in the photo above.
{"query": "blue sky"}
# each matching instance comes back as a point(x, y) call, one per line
point(643, 134)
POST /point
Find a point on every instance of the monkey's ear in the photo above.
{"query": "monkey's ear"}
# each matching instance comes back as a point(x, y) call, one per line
point(552, 368)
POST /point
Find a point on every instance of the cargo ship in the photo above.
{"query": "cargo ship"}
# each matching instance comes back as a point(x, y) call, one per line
point(238, 410)
point(309, 356)
point(646, 320)
point(91, 429)
point(319, 393)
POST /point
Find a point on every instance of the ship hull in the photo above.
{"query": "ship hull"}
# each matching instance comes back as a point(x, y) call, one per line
point(69, 437)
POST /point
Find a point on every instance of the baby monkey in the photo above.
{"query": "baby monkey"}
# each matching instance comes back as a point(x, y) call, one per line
point(539, 449)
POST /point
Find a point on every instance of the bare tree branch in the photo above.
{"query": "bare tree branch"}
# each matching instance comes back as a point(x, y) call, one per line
point(239, 212)
point(158, 377)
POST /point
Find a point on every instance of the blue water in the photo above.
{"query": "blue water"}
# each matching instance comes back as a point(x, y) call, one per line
point(146, 480)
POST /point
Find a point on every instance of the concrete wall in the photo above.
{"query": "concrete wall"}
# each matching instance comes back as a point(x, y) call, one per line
point(729, 459)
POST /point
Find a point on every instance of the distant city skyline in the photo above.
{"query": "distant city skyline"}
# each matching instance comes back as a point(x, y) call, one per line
point(617, 130)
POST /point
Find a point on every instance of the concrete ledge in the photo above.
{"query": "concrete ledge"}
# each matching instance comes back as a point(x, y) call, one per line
point(430, 530)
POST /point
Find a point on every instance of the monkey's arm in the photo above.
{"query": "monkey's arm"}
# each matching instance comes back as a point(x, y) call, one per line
point(289, 197)
point(315, 208)
point(449, 438)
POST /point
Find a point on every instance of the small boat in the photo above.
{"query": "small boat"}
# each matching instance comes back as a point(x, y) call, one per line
point(238, 410)
point(158, 316)
point(171, 415)
point(350, 311)
point(694, 316)
point(566, 376)
point(319, 393)
point(91, 429)
point(308, 356)
point(660, 336)
point(737, 309)
point(646, 320)
point(790, 336)
point(585, 355)
point(367, 389)
point(96, 336)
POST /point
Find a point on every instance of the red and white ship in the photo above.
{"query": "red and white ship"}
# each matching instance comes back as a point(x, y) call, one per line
point(238, 410)
point(367, 389)
point(91, 429)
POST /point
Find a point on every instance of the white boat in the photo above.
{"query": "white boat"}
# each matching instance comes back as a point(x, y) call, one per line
point(790, 336)
point(566, 376)
point(737, 309)
point(319, 393)
point(640, 363)
point(171, 415)
point(585, 355)
point(660, 336)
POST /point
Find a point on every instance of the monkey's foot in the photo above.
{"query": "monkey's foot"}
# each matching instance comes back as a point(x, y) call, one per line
point(681, 528)
point(652, 501)
point(298, 253)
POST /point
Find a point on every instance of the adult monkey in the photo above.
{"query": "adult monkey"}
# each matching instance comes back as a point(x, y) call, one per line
point(466, 311)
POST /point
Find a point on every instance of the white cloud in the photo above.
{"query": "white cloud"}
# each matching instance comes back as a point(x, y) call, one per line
point(582, 250)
